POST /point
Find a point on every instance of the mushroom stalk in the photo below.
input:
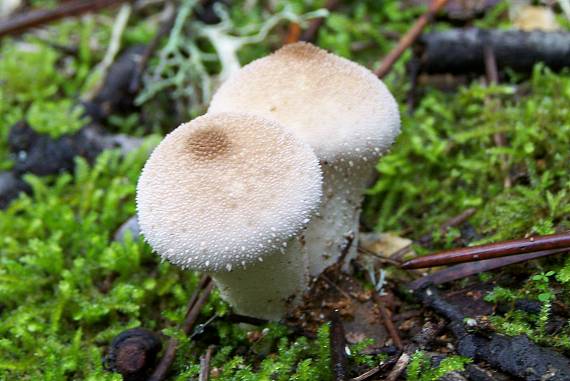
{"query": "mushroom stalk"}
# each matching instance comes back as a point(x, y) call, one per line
point(338, 217)
point(269, 288)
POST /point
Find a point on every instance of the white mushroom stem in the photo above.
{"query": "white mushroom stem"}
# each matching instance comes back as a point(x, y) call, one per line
point(261, 291)
point(327, 236)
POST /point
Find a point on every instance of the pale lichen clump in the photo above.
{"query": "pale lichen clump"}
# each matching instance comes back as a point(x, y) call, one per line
point(342, 110)
point(228, 194)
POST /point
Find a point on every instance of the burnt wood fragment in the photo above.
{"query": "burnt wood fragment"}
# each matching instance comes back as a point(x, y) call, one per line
point(10, 187)
point(133, 353)
point(338, 348)
point(42, 155)
point(517, 355)
point(115, 94)
point(461, 51)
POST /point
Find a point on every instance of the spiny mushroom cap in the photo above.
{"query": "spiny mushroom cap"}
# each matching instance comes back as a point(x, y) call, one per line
point(225, 190)
point(337, 106)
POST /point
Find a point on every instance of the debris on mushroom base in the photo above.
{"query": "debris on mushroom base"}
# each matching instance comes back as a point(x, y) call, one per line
point(229, 194)
point(341, 109)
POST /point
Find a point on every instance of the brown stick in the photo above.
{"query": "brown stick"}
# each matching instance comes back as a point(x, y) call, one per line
point(388, 323)
point(387, 319)
point(384, 365)
point(492, 74)
point(490, 65)
point(331, 283)
point(367, 374)
point(467, 269)
point(197, 301)
point(37, 18)
point(390, 260)
point(400, 366)
point(165, 27)
point(338, 348)
point(408, 39)
point(451, 223)
point(458, 220)
point(399, 254)
point(494, 250)
point(205, 364)
point(293, 34)
point(310, 34)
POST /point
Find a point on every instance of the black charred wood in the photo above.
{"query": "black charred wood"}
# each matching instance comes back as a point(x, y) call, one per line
point(115, 95)
point(477, 373)
point(461, 51)
point(517, 356)
point(10, 187)
point(41, 154)
point(338, 348)
point(133, 354)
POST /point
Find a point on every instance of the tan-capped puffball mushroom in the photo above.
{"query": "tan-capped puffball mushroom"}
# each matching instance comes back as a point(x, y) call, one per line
point(345, 113)
point(229, 194)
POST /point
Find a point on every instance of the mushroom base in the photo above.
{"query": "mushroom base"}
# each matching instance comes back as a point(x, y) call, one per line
point(338, 218)
point(268, 289)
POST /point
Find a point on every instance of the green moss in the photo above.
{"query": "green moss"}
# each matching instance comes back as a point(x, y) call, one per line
point(28, 72)
point(66, 289)
point(56, 118)
point(545, 287)
point(420, 368)
point(446, 161)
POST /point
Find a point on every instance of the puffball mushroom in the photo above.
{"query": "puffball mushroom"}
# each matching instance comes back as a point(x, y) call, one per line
point(229, 194)
point(342, 110)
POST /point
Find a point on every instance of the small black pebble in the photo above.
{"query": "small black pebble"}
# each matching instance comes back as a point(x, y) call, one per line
point(133, 354)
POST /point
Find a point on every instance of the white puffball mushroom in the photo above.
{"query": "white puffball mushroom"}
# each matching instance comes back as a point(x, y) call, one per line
point(229, 194)
point(342, 110)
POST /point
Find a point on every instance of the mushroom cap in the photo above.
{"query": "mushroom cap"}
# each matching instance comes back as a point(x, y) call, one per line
point(225, 190)
point(337, 106)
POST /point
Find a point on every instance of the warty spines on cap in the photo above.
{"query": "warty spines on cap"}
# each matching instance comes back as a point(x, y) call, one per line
point(226, 189)
point(338, 106)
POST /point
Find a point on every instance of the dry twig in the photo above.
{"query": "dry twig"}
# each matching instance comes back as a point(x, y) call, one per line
point(293, 34)
point(338, 348)
point(451, 223)
point(310, 34)
point(467, 269)
point(492, 73)
point(197, 301)
point(400, 366)
point(169, 16)
point(367, 374)
point(388, 323)
point(494, 250)
point(205, 364)
point(408, 39)
point(37, 18)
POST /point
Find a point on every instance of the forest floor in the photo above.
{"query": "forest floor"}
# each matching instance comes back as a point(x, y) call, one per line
point(478, 161)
